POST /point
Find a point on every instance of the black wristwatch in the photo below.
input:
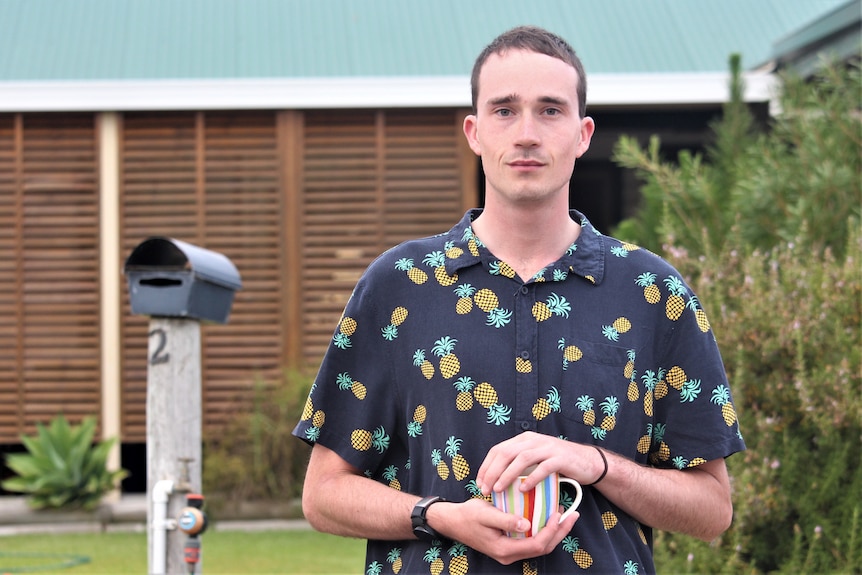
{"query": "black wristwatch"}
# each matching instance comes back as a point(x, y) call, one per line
point(421, 528)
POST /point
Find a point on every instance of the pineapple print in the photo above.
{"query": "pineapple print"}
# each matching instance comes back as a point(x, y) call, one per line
point(661, 385)
point(498, 414)
point(414, 428)
point(449, 363)
point(676, 377)
point(585, 403)
point(646, 440)
point(523, 365)
point(675, 304)
point(529, 568)
point(318, 419)
point(697, 461)
point(609, 520)
point(485, 394)
point(458, 564)
point(390, 474)
point(609, 406)
point(473, 242)
point(632, 393)
point(390, 332)
point(571, 353)
point(423, 364)
point(721, 396)
point(437, 461)
point(651, 292)
point(545, 405)
point(629, 369)
point(374, 568)
point(308, 409)
point(613, 331)
point(464, 399)
point(347, 326)
point(346, 382)
point(663, 452)
point(554, 305)
point(583, 559)
point(699, 314)
point(503, 269)
point(360, 439)
point(486, 300)
point(416, 275)
point(432, 556)
point(394, 557)
point(452, 251)
point(437, 260)
point(465, 298)
point(650, 380)
point(460, 467)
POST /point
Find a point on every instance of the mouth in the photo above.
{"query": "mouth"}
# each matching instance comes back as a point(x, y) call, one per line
point(525, 165)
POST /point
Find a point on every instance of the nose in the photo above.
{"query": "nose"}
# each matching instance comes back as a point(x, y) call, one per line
point(528, 134)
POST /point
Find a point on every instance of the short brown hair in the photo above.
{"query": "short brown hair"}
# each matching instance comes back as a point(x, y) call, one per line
point(537, 40)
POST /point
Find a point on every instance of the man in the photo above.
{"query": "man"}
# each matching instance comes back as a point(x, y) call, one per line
point(520, 337)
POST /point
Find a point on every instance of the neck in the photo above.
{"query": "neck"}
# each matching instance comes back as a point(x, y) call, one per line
point(528, 239)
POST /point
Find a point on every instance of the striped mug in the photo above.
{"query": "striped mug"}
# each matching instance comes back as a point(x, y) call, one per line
point(538, 504)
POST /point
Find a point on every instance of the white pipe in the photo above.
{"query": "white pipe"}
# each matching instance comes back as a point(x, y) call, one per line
point(161, 494)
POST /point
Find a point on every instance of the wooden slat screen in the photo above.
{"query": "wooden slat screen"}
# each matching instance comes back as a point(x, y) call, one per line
point(11, 316)
point(50, 244)
point(370, 181)
point(301, 202)
point(212, 180)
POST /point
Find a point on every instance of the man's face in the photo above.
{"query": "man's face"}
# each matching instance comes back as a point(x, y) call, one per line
point(527, 126)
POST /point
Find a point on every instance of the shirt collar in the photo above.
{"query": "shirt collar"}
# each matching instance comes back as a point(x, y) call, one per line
point(585, 258)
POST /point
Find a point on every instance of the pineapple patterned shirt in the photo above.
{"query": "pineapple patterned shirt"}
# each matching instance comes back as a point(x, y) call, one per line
point(443, 352)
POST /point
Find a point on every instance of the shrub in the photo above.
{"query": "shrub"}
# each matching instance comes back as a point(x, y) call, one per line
point(778, 270)
point(63, 469)
point(255, 457)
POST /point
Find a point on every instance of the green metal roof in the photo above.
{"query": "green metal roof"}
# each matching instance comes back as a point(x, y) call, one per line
point(85, 40)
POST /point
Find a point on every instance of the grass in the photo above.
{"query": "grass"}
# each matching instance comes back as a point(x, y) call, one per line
point(222, 552)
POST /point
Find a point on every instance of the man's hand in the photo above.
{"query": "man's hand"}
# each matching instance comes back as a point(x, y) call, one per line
point(483, 527)
point(544, 454)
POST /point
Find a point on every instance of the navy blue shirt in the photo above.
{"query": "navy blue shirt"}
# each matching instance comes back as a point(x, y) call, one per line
point(442, 352)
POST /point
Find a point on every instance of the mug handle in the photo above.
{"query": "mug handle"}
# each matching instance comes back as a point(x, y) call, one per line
point(579, 495)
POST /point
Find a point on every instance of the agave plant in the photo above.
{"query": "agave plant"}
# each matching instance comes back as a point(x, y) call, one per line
point(63, 468)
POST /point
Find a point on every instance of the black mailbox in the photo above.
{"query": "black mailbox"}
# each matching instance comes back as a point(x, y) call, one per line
point(171, 278)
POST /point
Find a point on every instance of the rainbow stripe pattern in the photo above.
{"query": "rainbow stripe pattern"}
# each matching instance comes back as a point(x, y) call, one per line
point(536, 505)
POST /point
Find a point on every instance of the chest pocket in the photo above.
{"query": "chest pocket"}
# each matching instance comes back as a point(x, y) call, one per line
point(597, 385)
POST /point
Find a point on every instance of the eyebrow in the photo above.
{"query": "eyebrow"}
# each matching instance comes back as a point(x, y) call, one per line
point(510, 98)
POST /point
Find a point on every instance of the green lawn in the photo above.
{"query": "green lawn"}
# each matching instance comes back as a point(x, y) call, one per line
point(222, 552)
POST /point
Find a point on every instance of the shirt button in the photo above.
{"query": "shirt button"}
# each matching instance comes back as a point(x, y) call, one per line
point(525, 355)
point(525, 425)
point(525, 290)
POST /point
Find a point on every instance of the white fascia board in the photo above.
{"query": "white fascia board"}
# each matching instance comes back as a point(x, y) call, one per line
point(341, 93)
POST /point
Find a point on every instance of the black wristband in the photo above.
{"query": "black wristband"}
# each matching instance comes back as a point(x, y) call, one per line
point(605, 472)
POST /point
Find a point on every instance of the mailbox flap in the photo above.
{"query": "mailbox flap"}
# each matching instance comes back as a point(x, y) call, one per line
point(168, 254)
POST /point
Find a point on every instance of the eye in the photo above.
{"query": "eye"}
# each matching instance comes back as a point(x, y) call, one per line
point(503, 112)
point(553, 112)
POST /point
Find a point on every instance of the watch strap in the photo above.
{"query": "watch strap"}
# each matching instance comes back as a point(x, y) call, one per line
point(418, 518)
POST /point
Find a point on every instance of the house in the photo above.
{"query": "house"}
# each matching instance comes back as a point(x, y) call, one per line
point(300, 139)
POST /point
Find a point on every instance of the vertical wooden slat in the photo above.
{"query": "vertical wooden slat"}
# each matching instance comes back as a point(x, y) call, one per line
point(59, 239)
point(11, 279)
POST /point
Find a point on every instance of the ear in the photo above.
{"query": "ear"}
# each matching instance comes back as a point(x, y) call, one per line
point(588, 126)
point(471, 131)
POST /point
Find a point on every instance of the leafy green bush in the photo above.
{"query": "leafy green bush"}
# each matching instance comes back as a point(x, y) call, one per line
point(255, 457)
point(778, 270)
point(63, 469)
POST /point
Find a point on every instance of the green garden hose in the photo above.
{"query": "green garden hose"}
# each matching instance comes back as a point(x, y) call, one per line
point(23, 562)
